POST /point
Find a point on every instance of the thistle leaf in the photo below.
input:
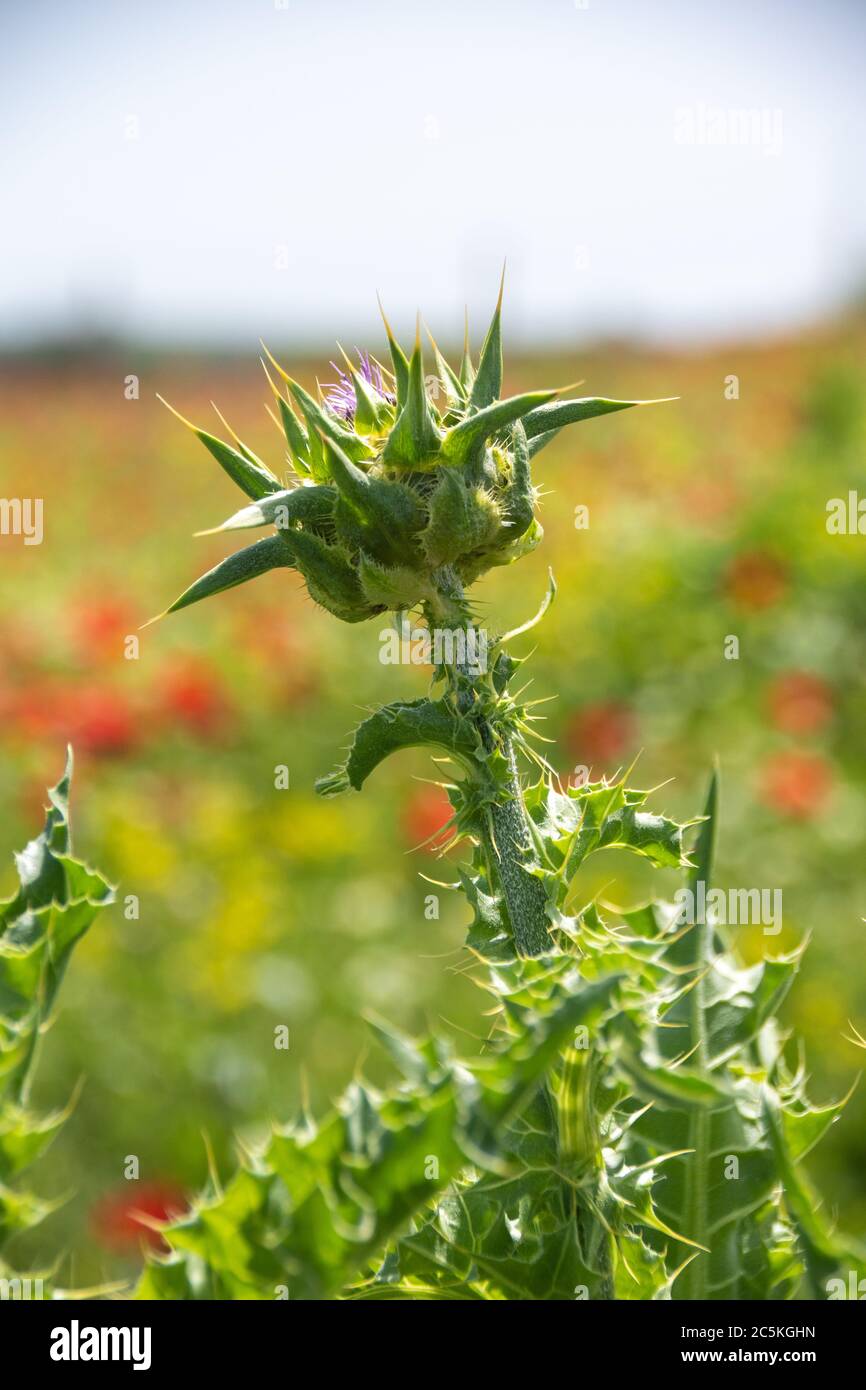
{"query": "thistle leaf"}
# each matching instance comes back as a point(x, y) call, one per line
point(460, 520)
point(397, 588)
point(826, 1253)
point(520, 494)
point(449, 378)
point(319, 1203)
point(547, 419)
point(731, 1181)
point(373, 414)
point(404, 724)
point(680, 1088)
point(415, 437)
point(461, 439)
point(399, 363)
point(488, 380)
point(467, 371)
point(352, 483)
point(599, 815)
point(296, 438)
point(550, 595)
point(57, 900)
point(311, 506)
point(331, 579)
point(24, 1136)
point(384, 515)
point(251, 477)
point(324, 423)
point(259, 558)
point(541, 441)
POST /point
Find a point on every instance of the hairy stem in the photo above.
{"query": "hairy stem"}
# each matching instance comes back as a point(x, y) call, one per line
point(508, 842)
point(580, 1152)
point(695, 952)
point(506, 834)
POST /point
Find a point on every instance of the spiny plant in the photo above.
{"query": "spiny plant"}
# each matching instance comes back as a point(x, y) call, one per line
point(395, 504)
point(57, 899)
point(633, 1128)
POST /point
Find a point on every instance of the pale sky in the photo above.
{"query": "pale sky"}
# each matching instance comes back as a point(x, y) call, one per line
point(209, 171)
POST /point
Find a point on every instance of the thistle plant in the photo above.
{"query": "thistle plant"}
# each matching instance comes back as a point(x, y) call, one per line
point(634, 1127)
point(57, 899)
point(398, 502)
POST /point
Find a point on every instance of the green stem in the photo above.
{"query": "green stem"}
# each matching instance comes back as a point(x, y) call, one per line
point(580, 1152)
point(696, 951)
point(695, 1274)
point(508, 842)
point(506, 836)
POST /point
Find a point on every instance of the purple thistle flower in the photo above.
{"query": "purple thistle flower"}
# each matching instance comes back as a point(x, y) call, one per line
point(339, 396)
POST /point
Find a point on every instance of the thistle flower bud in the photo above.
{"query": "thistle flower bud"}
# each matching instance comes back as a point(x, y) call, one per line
point(393, 481)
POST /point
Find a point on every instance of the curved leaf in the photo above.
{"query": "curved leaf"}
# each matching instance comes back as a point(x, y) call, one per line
point(403, 724)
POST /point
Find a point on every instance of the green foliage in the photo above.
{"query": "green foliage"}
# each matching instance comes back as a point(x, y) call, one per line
point(736, 1187)
point(319, 1204)
point(630, 1131)
point(57, 899)
point(633, 1127)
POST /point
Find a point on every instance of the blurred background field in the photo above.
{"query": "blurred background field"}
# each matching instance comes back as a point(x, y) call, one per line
point(260, 907)
point(185, 177)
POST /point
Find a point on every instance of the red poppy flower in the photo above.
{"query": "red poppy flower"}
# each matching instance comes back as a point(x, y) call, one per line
point(33, 709)
point(799, 702)
point(425, 815)
point(101, 625)
point(116, 1218)
point(99, 720)
point(709, 499)
point(193, 695)
point(796, 784)
point(755, 580)
point(601, 733)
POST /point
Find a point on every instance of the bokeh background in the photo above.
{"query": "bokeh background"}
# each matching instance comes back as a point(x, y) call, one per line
point(180, 179)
